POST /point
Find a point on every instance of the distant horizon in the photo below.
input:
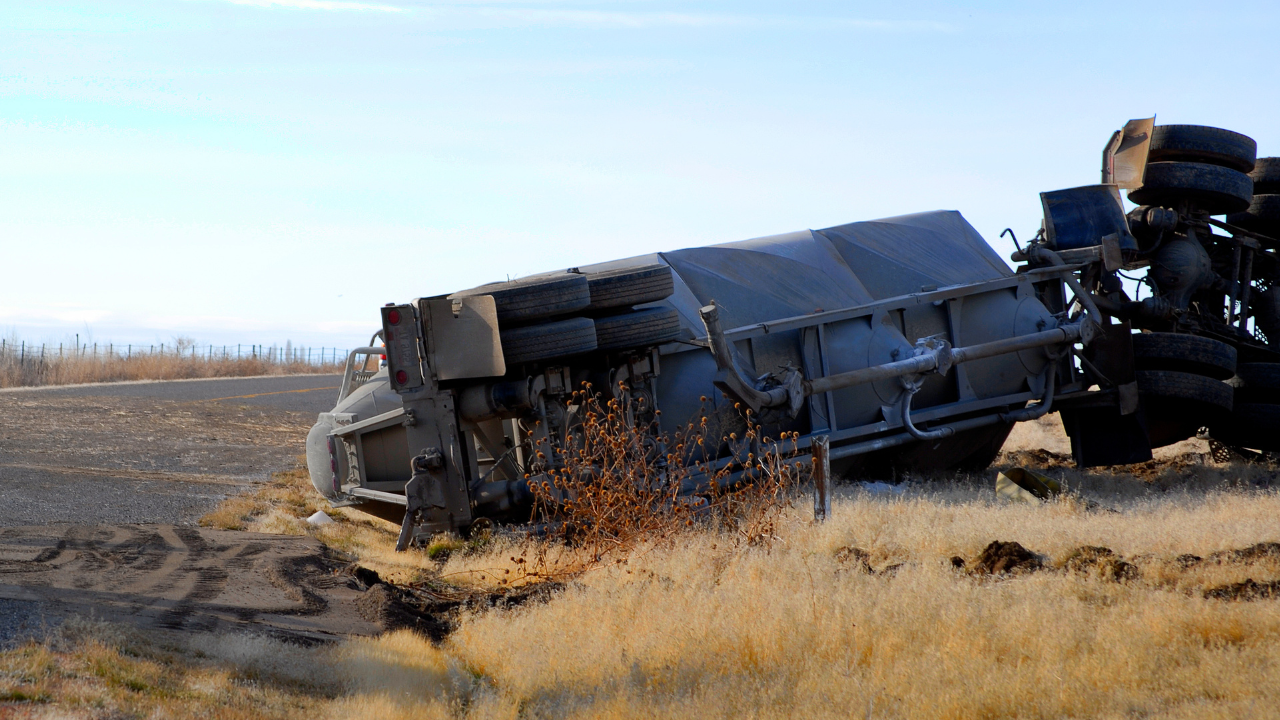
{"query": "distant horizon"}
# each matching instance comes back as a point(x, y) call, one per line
point(12, 341)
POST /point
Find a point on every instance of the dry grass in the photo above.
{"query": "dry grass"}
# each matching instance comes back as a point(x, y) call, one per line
point(281, 507)
point(708, 626)
point(95, 670)
point(31, 368)
point(618, 483)
point(710, 630)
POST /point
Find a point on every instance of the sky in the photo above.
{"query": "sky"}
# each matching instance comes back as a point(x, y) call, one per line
point(256, 171)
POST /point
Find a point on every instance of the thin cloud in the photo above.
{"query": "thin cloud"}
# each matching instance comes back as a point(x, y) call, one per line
point(319, 5)
point(605, 19)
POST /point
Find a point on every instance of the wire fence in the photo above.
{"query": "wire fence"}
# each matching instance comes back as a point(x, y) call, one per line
point(23, 352)
point(25, 364)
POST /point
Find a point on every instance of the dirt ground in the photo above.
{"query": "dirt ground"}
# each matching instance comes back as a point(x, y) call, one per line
point(91, 459)
point(101, 489)
point(172, 578)
point(1143, 569)
point(102, 493)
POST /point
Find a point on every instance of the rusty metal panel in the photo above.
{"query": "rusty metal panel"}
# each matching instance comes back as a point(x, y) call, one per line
point(1129, 162)
point(463, 337)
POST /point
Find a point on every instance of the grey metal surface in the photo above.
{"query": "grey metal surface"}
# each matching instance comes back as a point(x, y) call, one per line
point(798, 273)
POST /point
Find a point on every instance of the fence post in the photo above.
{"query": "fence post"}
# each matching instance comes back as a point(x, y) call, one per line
point(821, 478)
point(22, 359)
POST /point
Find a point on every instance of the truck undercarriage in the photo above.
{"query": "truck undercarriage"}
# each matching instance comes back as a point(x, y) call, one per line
point(906, 342)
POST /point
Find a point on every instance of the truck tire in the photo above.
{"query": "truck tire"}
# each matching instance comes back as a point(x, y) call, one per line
point(548, 340)
point(1262, 216)
point(1184, 354)
point(638, 328)
point(1202, 144)
point(630, 286)
point(1177, 404)
point(1266, 176)
point(1189, 387)
point(534, 298)
point(1250, 425)
point(1211, 188)
point(1257, 383)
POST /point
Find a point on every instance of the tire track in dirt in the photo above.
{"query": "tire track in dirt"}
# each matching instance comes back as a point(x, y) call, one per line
point(184, 579)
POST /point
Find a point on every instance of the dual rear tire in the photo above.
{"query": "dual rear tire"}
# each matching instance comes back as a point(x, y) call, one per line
point(1254, 421)
point(600, 303)
point(1180, 383)
point(578, 335)
point(1203, 166)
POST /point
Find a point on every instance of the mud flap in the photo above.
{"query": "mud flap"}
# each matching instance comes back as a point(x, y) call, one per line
point(1100, 435)
point(1111, 355)
point(1109, 429)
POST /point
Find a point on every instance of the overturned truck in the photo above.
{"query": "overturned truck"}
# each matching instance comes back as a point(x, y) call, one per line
point(906, 341)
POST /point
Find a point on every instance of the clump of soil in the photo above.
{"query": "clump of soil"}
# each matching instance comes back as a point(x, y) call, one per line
point(391, 609)
point(1165, 468)
point(434, 610)
point(857, 557)
point(860, 560)
point(1253, 553)
point(1187, 561)
point(1035, 458)
point(1102, 562)
point(1006, 557)
point(1244, 591)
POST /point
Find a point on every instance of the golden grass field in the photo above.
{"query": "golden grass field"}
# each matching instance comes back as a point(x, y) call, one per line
point(707, 626)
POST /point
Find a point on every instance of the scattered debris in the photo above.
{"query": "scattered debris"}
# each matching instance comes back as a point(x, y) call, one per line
point(883, 488)
point(319, 518)
point(957, 562)
point(1006, 557)
point(1102, 562)
point(1023, 485)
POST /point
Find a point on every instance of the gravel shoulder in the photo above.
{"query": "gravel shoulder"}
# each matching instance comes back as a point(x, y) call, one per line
point(101, 487)
point(149, 452)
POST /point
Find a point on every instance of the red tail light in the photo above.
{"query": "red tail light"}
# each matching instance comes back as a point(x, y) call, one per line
point(402, 377)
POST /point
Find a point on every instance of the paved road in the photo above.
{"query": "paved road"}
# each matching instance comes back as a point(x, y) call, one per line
point(306, 393)
point(154, 452)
